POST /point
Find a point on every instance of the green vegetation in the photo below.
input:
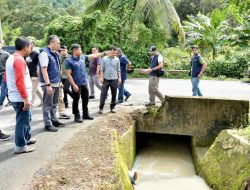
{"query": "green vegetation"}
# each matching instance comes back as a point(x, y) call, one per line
point(221, 29)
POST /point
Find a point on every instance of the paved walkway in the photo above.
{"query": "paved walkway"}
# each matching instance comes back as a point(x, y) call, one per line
point(16, 171)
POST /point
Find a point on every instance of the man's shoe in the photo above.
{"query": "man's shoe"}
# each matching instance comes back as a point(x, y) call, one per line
point(64, 116)
point(50, 129)
point(1, 107)
point(4, 137)
point(58, 124)
point(150, 104)
point(100, 111)
point(91, 97)
point(127, 97)
point(87, 117)
point(113, 110)
point(31, 141)
point(8, 104)
point(25, 149)
point(119, 102)
point(40, 105)
point(78, 118)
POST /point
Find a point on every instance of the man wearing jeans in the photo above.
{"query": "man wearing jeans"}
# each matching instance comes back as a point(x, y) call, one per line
point(125, 65)
point(19, 91)
point(3, 57)
point(198, 66)
point(50, 79)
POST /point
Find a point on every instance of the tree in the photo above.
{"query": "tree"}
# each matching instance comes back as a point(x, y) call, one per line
point(207, 32)
point(151, 11)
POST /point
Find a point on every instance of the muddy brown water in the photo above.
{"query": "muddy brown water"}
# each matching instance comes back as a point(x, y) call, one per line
point(166, 165)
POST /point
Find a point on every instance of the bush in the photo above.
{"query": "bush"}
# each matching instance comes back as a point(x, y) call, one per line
point(176, 59)
point(231, 65)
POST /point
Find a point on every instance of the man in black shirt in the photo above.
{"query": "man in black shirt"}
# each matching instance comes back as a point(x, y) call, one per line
point(32, 62)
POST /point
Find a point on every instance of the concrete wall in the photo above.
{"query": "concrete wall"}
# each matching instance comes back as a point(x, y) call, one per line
point(226, 165)
point(202, 118)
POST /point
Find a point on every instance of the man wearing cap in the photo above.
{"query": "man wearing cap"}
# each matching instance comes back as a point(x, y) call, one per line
point(125, 65)
point(198, 66)
point(77, 76)
point(153, 86)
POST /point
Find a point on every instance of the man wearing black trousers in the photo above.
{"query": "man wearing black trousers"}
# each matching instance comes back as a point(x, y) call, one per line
point(110, 77)
point(77, 76)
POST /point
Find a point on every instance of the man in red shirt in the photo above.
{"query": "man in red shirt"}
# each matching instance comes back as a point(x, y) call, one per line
point(20, 94)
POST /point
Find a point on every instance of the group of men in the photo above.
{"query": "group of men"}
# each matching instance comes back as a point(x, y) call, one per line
point(57, 72)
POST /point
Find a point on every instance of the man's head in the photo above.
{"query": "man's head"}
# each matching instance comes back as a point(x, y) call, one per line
point(195, 49)
point(153, 50)
point(112, 50)
point(95, 49)
point(63, 50)
point(118, 52)
point(54, 42)
point(76, 50)
point(23, 45)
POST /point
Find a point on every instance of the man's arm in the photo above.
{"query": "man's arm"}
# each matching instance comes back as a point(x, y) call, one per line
point(95, 55)
point(71, 81)
point(204, 66)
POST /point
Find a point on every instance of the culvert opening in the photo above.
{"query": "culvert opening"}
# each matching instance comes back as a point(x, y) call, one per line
point(165, 162)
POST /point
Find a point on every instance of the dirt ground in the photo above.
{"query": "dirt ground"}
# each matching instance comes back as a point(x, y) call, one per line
point(86, 161)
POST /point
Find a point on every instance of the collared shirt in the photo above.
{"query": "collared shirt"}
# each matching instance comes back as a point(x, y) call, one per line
point(3, 58)
point(78, 68)
point(110, 67)
point(123, 63)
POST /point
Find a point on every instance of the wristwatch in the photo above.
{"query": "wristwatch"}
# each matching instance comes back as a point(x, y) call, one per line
point(48, 84)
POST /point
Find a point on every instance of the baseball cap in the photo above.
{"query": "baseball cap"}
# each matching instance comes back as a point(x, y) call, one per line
point(152, 48)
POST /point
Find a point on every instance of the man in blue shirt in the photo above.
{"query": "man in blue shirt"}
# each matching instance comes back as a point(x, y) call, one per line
point(77, 76)
point(198, 66)
point(125, 65)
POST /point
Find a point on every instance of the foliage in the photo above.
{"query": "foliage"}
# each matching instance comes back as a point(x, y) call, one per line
point(115, 27)
point(192, 7)
point(207, 32)
point(231, 65)
point(32, 16)
point(176, 59)
point(150, 12)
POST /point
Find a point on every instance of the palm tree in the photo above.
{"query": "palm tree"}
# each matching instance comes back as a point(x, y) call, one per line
point(151, 10)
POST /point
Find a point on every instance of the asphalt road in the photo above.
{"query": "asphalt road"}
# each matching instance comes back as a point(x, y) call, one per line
point(16, 171)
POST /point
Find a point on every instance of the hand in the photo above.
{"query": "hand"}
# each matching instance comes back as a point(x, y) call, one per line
point(26, 104)
point(199, 76)
point(61, 85)
point(101, 80)
point(119, 80)
point(148, 71)
point(75, 88)
point(49, 90)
